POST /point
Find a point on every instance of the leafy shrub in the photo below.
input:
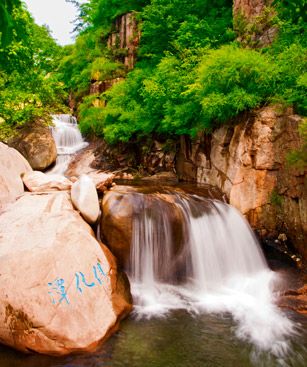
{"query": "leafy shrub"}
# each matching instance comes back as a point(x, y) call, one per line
point(231, 80)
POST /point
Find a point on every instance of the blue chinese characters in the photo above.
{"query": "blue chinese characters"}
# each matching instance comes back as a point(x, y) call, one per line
point(57, 289)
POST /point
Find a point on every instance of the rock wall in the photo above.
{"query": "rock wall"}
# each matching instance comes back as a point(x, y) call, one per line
point(248, 163)
point(123, 43)
point(249, 8)
point(141, 158)
point(101, 86)
point(254, 22)
point(124, 40)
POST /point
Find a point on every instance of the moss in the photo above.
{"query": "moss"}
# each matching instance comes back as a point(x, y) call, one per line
point(298, 158)
point(276, 199)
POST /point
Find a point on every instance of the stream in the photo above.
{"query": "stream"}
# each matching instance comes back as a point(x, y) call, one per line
point(206, 297)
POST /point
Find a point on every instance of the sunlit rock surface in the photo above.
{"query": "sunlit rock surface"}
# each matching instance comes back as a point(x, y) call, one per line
point(60, 291)
point(85, 198)
point(12, 166)
point(102, 180)
point(37, 181)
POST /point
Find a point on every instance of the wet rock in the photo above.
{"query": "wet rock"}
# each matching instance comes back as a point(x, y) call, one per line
point(282, 237)
point(124, 176)
point(12, 166)
point(60, 291)
point(295, 300)
point(123, 204)
point(85, 198)
point(37, 181)
point(116, 223)
point(37, 145)
point(162, 176)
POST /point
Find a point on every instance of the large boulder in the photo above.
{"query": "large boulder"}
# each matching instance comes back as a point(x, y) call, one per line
point(116, 224)
point(85, 198)
point(12, 166)
point(124, 207)
point(37, 181)
point(60, 291)
point(37, 145)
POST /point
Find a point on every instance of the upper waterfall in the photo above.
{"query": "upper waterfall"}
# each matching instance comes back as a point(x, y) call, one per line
point(68, 140)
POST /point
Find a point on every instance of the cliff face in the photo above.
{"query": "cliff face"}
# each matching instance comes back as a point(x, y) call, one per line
point(248, 163)
point(123, 43)
point(124, 40)
point(254, 22)
point(250, 8)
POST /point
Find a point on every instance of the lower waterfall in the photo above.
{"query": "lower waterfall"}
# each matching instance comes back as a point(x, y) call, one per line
point(212, 262)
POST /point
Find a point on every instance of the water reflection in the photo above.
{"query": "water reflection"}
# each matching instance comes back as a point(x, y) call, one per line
point(180, 340)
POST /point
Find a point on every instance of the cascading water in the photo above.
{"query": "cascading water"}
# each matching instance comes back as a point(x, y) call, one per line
point(68, 141)
point(211, 262)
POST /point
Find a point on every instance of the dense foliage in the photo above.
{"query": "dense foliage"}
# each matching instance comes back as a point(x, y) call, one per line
point(29, 90)
point(191, 74)
point(6, 20)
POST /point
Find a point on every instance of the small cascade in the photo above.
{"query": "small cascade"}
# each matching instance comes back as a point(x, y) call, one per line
point(201, 255)
point(68, 141)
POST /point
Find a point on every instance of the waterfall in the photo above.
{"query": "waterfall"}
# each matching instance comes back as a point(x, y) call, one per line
point(68, 141)
point(211, 262)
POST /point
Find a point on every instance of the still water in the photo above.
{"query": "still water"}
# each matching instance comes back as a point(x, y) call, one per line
point(179, 339)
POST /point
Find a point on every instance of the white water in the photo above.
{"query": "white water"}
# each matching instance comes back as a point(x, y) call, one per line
point(223, 266)
point(68, 141)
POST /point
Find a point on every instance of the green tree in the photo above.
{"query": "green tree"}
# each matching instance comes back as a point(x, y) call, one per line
point(7, 21)
point(29, 89)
